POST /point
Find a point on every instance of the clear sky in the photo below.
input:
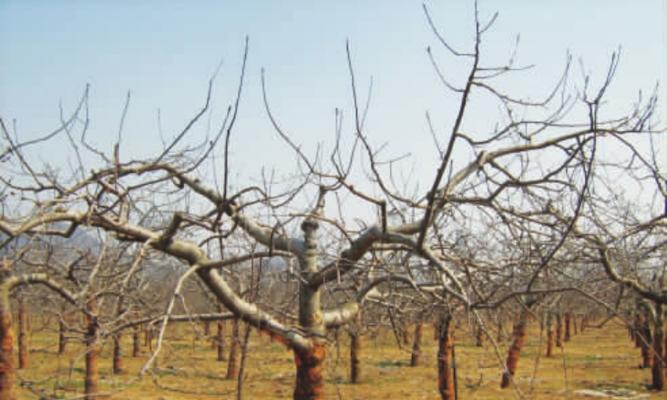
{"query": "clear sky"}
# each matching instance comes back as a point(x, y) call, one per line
point(164, 52)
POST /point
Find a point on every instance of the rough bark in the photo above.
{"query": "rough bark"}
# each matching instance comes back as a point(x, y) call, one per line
point(568, 323)
point(446, 385)
point(309, 380)
point(92, 352)
point(416, 345)
point(233, 349)
point(23, 337)
point(519, 337)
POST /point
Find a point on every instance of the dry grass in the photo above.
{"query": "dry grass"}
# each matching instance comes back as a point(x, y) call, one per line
point(188, 370)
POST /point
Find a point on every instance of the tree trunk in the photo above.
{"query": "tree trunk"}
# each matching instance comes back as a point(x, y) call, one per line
point(220, 340)
point(62, 340)
point(355, 350)
point(658, 377)
point(574, 324)
point(136, 348)
point(515, 349)
point(207, 328)
point(582, 324)
point(550, 335)
point(23, 337)
point(499, 329)
point(92, 351)
point(6, 347)
point(416, 345)
point(309, 380)
point(233, 348)
point(559, 330)
point(117, 354)
point(244, 354)
point(479, 336)
point(638, 324)
point(446, 384)
point(646, 339)
point(568, 318)
point(406, 336)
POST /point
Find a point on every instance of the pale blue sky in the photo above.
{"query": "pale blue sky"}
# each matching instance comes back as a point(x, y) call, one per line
point(165, 51)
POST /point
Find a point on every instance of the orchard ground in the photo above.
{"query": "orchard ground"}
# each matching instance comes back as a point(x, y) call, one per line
point(187, 368)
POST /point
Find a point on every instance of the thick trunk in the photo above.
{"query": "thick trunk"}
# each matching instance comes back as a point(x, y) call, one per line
point(117, 354)
point(446, 385)
point(92, 352)
point(233, 349)
point(6, 348)
point(23, 337)
point(309, 380)
point(515, 349)
point(355, 351)
point(416, 345)
point(568, 320)
point(550, 335)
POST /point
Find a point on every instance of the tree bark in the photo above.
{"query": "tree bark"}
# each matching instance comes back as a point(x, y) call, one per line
point(568, 318)
point(309, 380)
point(233, 348)
point(416, 345)
point(446, 385)
point(515, 349)
point(92, 351)
point(23, 337)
